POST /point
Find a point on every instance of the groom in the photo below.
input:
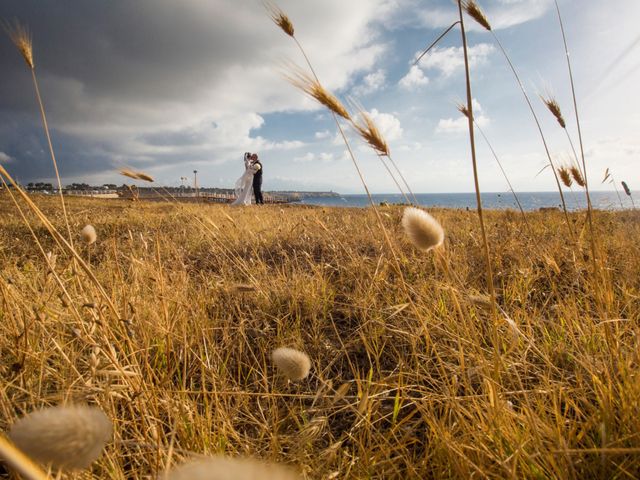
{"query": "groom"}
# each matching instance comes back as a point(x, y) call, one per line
point(257, 179)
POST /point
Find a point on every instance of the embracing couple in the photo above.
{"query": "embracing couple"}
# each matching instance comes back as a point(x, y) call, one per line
point(250, 181)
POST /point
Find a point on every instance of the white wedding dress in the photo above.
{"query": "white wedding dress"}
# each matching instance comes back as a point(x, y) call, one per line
point(244, 185)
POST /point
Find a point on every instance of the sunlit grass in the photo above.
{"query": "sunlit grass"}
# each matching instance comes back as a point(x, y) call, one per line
point(185, 365)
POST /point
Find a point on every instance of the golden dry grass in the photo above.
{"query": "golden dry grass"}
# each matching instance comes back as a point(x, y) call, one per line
point(185, 365)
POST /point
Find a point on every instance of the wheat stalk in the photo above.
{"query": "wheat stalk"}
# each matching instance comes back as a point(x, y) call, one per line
point(476, 181)
point(312, 87)
point(553, 106)
point(22, 39)
point(385, 233)
point(565, 176)
point(20, 462)
point(136, 175)
point(577, 175)
point(477, 15)
point(280, 18)
point(592, 237)
point(464, 110)
point(474, 11)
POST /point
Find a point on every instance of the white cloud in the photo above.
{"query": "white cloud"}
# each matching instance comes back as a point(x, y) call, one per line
point(284, 145)
point(448, 61)
point(371, 83)
point(311, 157)
point(614, 151)
point(308, 157)
point(322, 135)
point(414, 79)
point(4, 158)
point(195, 99)
point(410, 147)
point(500, 13)
point(326, 157)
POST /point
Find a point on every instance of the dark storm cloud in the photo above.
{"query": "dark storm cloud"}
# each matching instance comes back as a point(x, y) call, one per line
point(117, 47)
point(107, 64)
point(152, 83)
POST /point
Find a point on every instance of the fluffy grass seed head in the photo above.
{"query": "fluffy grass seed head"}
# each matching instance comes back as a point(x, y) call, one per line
point(370, 134)
point(88, 234)
point(423, 230)
point(21, 38)
point(136, 175)
point(315, 90)
point(577, 176)
point(280, 18)
point(554, 108)
point(565, 176)
point(475, 12)
point(627, 190)
point(222, 468)
point(68, 437)
point(293, 364)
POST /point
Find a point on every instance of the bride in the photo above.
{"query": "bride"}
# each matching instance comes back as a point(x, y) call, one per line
point(244, 185)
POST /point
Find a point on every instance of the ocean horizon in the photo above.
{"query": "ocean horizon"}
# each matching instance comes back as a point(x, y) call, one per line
point(530, 201)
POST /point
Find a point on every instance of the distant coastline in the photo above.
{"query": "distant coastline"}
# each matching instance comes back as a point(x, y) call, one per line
point(604, 200)
point(530, 201)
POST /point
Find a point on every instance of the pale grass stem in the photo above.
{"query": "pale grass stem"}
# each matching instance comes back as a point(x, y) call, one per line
point(59, 238)
point(472, 8)
point(608, 177)
point(599, 275)
point(22, 39)
point(463, 109)
point(46, 257)
point(20, 462)
point(485, 241)
point(385, 233)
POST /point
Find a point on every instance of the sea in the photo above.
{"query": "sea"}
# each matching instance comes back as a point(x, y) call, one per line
point(492, 200)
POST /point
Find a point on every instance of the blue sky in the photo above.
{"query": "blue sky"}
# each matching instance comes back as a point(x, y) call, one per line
point(168, 87)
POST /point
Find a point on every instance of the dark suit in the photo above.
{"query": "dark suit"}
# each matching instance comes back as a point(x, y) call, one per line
point(257, 184)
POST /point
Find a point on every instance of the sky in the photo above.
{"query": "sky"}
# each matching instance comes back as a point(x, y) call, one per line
point(170, 87)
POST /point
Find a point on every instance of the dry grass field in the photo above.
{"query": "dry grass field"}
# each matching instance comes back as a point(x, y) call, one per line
point(412, 375)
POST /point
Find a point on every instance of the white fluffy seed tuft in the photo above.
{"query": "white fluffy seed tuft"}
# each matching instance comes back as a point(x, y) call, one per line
point(67, 437)
point(89, 234)
point(292, 363)
point(423, 230)
point(221, 468)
